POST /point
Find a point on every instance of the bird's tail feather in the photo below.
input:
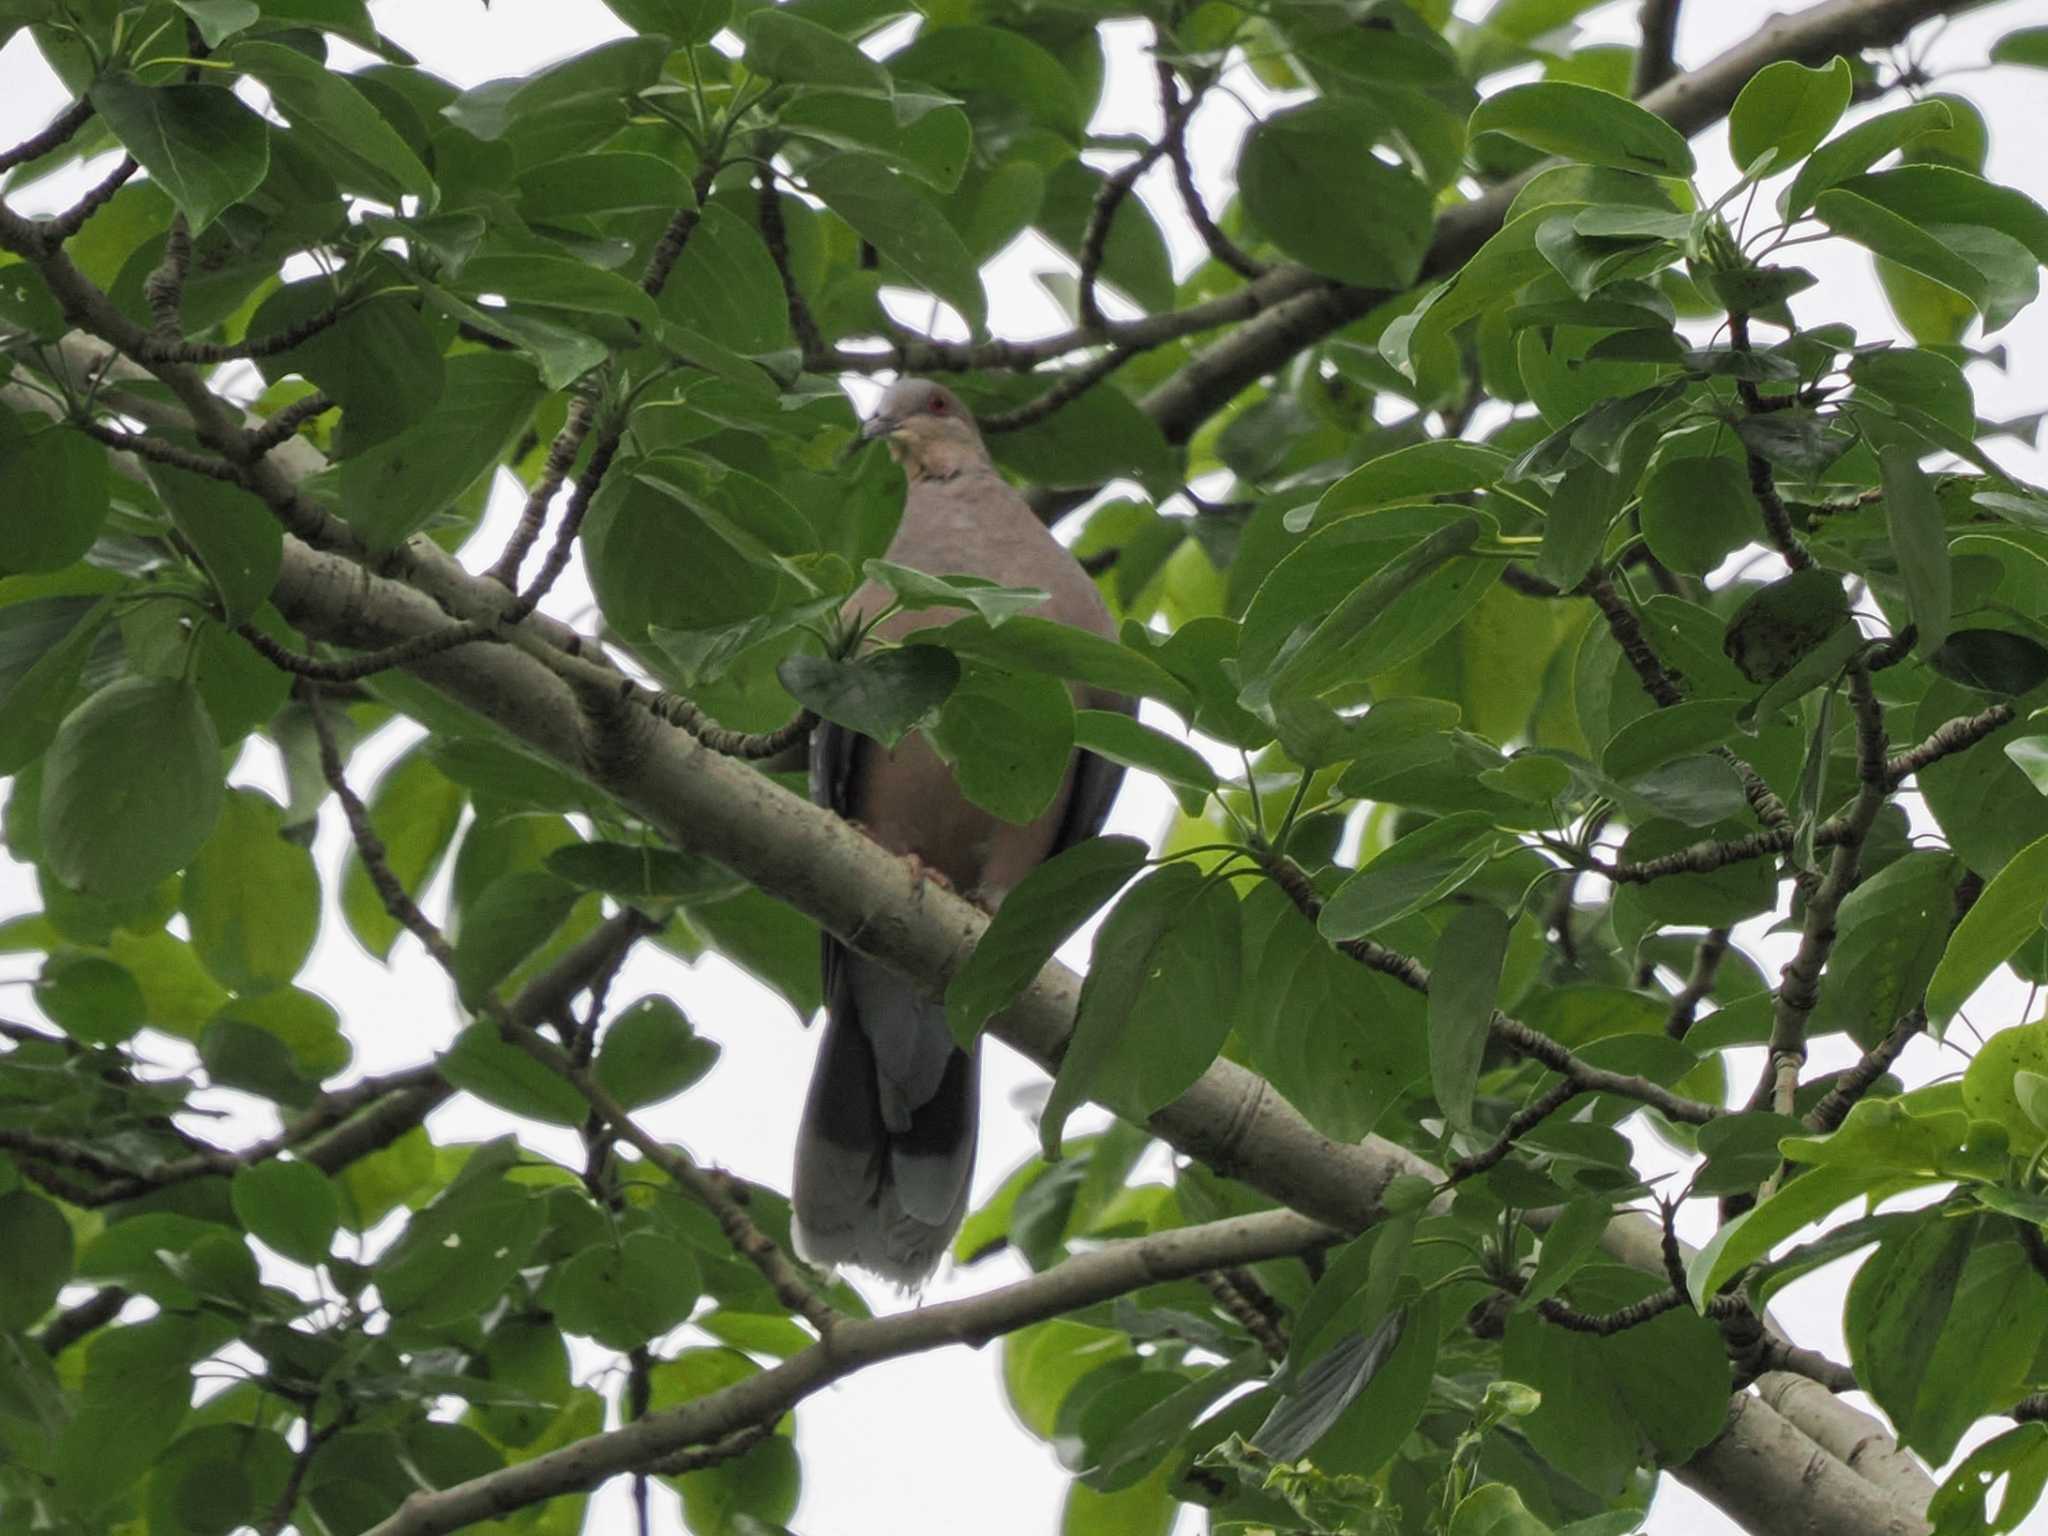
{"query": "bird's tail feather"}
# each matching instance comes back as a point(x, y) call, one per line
point(885, 1153)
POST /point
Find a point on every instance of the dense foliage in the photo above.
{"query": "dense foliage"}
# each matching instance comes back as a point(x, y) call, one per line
point(1479, 390)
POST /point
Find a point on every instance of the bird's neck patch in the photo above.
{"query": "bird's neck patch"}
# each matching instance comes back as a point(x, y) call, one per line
point(937, 457)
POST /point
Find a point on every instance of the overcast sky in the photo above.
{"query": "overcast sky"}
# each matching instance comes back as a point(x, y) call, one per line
point(916, 1445)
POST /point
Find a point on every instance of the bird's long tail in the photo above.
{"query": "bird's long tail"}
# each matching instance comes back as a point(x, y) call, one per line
point(885, 1152)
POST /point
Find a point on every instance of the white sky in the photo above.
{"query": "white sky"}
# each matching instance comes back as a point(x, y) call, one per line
point(916, 1445)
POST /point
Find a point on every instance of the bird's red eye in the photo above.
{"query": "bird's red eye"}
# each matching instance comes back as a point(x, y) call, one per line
point(938, 405)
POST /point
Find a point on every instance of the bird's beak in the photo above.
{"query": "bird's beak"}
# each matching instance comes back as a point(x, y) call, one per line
point(879, 425)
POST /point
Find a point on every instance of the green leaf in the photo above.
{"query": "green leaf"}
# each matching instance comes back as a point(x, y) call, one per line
point(1032, 644)
point(456, 1256)
point(1418, 871)
point(1786, 110)
point(883, 695)
point(1156, 1002)
point(684, 21)
point(252, 897)
point(1358, 637)
point(1658, 1389)
point(1926, 1317)
point(1941, 195)
point(1587, 502)
point(138, 1389)
point(1045, 909)
point(381, 361)
point(280, 1045)
point(2028, 46)
point(1465, 983)
point(916, 591)
point(1696, 512)
point(1495, 1509)
point(1884, 233)
point(624, 1296)
point(292, 1207)
point(1573, 1238)
point(1892, 929)
point(238, 540)
point(1112, 734)
point(556, 282)
point(603, 181)
point(35, 1258)
point(1780, 625)
point(108, 830)
point(2014, 1465)
point(1992, 661)
point(636, 872)
point(400, 485)
point(2005, 916)
point(903, 224)
point(978, 62)
point(1678, 730)
point(1797, 1203)
point(35, 702)
point(91, 999)
point(1919, 538)
point(1008, 737)
point(785, 46)
point(1440, 467)
point(330, 116)
point(1991, 1083)
point(650, 1053)
point(211, 1477)
point(1376, 237)
point(414, 811)
point(220, 19)
point(1854, 152)
point(1883, 1138)
point(1354, 1294)
point(504, 927)
point(934, 146)
point(494, 1070)
point(710, 654)
point(1585, 124)
point(197, 142)
point(69, 473)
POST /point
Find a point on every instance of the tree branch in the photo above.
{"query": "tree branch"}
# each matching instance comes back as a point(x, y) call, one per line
point(1655, 50)
point(856, 1343)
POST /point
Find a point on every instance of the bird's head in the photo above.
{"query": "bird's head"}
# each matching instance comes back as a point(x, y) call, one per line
point(929, 432)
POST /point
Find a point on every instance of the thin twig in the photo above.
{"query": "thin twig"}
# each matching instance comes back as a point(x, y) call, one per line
point(354, 669)
point(774, 235)
point(285, 422)
point(59, 132)
point(1246, 1303)
point(1951, 737)
point(63, 226)
point(1799, 985)
point(89, 1316)
point(1517, 1036)
point(370, 847)
point(1763, 483)
point(1706, 965)
point(164, 289)
point(156, 450)
point(1519, 1124)
point(1068, 386)
point(1220, 245)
